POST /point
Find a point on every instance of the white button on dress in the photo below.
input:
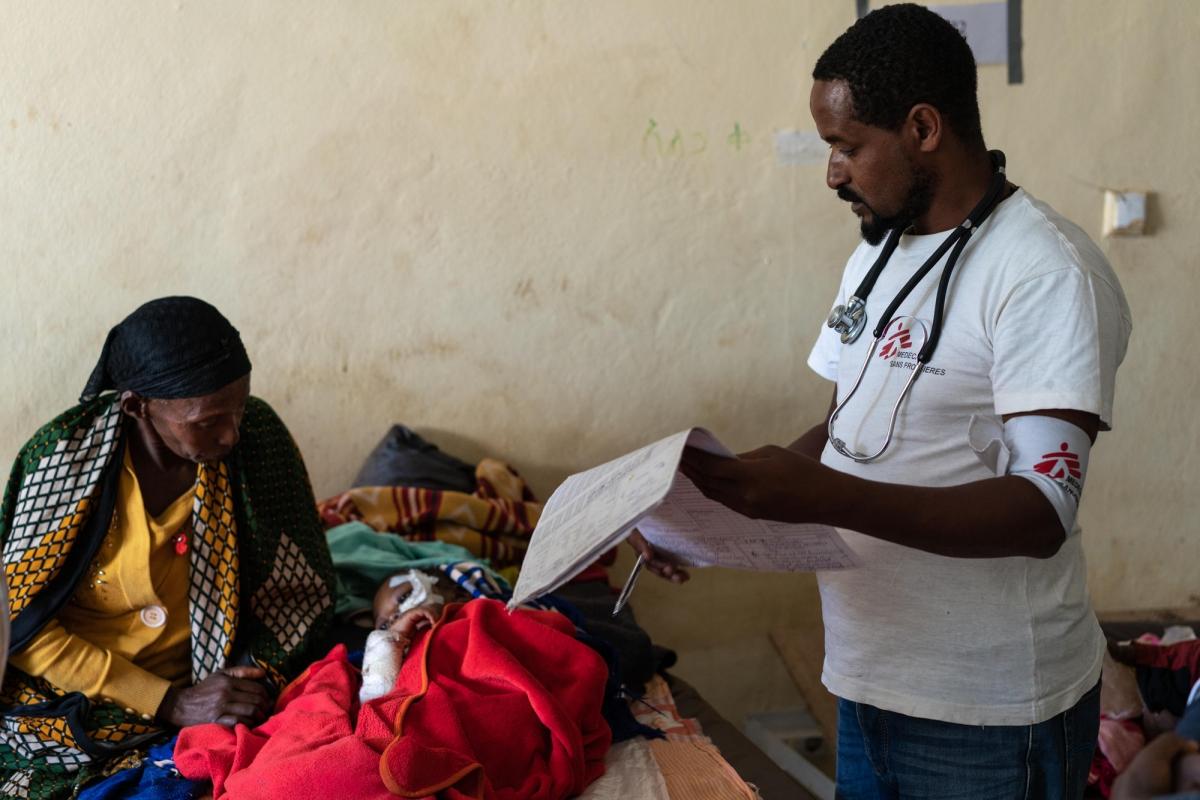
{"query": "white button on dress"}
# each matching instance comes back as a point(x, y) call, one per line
point(154, 616)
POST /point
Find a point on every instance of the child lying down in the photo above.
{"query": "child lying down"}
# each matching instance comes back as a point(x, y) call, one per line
point(457, 700)
point(405, 604)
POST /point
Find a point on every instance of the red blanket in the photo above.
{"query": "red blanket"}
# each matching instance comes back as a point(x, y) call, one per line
point(487, 705)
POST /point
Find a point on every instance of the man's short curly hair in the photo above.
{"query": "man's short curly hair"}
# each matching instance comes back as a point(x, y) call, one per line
point(901, 55)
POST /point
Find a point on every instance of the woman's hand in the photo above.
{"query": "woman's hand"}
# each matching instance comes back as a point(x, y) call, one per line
point(227, 697)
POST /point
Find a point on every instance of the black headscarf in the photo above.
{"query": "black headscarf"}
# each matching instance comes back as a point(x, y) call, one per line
point(170, 348)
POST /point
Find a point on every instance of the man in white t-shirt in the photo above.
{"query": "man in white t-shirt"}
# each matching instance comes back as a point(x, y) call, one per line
point(964, 651)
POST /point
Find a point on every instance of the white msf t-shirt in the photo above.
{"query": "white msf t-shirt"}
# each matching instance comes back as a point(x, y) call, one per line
point(1035, 319)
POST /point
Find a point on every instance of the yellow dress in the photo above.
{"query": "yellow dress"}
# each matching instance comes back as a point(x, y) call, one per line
point(124, 636)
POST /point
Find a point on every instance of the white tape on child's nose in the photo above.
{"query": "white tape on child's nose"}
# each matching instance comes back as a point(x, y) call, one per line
point(422, 590)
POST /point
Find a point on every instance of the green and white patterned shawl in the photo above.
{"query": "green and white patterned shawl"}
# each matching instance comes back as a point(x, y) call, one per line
point(261, 580)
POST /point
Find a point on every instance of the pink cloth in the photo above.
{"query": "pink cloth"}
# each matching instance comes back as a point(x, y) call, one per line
point(1120, 741)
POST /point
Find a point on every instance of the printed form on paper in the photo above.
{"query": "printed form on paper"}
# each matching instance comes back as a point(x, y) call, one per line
point(594, 510)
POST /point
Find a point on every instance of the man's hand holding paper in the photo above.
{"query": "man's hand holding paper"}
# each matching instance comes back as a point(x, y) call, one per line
point(645, 497)
point(770, 483)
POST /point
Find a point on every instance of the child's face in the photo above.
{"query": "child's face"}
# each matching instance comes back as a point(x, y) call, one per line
point(387, 602)
point(394, 592)
point(388, 599)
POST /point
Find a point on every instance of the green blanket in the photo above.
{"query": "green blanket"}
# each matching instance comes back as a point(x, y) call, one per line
point(364, 557)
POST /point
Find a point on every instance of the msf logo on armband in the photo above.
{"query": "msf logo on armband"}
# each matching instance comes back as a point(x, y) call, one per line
point(1063, 467)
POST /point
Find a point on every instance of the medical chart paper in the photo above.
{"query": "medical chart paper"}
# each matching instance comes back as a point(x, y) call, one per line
point(594, 510)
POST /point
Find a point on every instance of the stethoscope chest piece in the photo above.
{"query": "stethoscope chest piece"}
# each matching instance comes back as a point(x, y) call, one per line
point(849, 320)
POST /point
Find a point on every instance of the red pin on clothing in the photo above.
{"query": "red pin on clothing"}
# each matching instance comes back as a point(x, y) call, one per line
point(181, 542)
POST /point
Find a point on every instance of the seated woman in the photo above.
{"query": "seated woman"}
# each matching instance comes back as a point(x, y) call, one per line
point(165, 562)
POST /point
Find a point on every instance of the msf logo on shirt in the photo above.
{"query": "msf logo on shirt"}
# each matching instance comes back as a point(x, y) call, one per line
point(897, 342)
point(1063, 468)
point(902, 340)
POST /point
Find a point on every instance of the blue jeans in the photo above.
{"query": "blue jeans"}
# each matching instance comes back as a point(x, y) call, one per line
point(882, 754)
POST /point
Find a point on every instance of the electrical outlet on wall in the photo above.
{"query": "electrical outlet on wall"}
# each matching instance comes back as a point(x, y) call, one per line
point(1124, 213)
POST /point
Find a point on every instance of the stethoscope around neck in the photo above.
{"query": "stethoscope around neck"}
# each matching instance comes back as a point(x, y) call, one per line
point(850, 319)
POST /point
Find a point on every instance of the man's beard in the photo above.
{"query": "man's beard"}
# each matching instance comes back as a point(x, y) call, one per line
point(916, 203)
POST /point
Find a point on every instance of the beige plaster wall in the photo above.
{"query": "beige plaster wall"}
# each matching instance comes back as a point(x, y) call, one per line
point(476, 218)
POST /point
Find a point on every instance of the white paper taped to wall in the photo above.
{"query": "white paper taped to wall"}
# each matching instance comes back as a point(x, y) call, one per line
point(983, 25)
point(592, 511)
point(800, 147)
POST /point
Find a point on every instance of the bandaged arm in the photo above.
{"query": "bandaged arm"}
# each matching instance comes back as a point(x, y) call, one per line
point(1052, 454)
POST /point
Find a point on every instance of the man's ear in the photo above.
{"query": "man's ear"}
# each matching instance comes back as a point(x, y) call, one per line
point(924, 127)
point(133, 405)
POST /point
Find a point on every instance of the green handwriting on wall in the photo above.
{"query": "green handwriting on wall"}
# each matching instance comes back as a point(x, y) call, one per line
point(664, 142)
